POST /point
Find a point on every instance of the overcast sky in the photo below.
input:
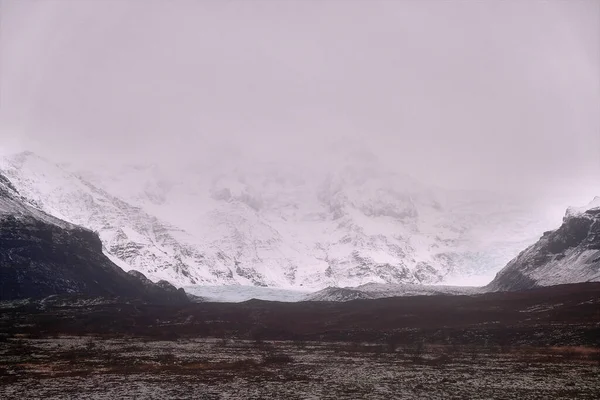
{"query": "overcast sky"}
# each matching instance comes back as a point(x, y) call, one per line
point(469, 94)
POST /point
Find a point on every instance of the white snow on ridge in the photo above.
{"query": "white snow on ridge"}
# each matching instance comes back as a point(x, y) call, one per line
point(14, 205)
point(131, 237)
point(573, 211)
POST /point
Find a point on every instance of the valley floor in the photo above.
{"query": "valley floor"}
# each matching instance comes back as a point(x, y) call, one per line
point(536, 344)
point(101, 368)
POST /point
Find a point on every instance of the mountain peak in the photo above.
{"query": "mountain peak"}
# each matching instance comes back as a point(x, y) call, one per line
point(568, 254)
point(574, 211)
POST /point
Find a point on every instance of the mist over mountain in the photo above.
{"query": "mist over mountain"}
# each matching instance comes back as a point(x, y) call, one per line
point(326, 199)
point(218, 143)
point(41, 256)
point(464, 96)
point(265, 225)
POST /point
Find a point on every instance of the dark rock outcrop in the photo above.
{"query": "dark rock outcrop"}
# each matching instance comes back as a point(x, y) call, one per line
point(570, 254)
point(42, 256)
point(339, 294)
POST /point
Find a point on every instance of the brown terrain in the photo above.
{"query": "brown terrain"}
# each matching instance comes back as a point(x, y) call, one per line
point(537, 344)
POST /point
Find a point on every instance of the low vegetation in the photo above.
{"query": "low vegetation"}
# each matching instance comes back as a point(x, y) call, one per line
point(203, 368)
point(531, 345)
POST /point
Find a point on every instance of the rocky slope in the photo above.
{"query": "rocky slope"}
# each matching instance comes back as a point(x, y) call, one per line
point(569, 254)
point(41, 255)
point(131, 238)
point(261, 224)
point(379, 291)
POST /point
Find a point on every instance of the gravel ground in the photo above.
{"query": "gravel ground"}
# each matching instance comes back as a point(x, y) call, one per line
point(95, 368)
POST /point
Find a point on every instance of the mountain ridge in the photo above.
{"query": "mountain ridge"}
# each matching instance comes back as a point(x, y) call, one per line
point(278, 227)
point(569, 254)
point(41, 255)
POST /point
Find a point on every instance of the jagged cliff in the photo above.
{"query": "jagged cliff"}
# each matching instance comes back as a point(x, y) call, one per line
point(569, 254)
point(41, 255)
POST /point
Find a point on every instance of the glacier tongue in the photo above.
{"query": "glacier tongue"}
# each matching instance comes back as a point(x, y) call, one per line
point(278, 225)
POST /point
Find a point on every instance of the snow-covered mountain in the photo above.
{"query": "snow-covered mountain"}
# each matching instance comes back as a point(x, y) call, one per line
point(569, 254)
point(132, 238)
point(41, 255)
point(280, 225)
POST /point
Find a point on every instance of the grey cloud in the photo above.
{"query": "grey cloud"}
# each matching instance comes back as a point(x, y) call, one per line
point(499, 95)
